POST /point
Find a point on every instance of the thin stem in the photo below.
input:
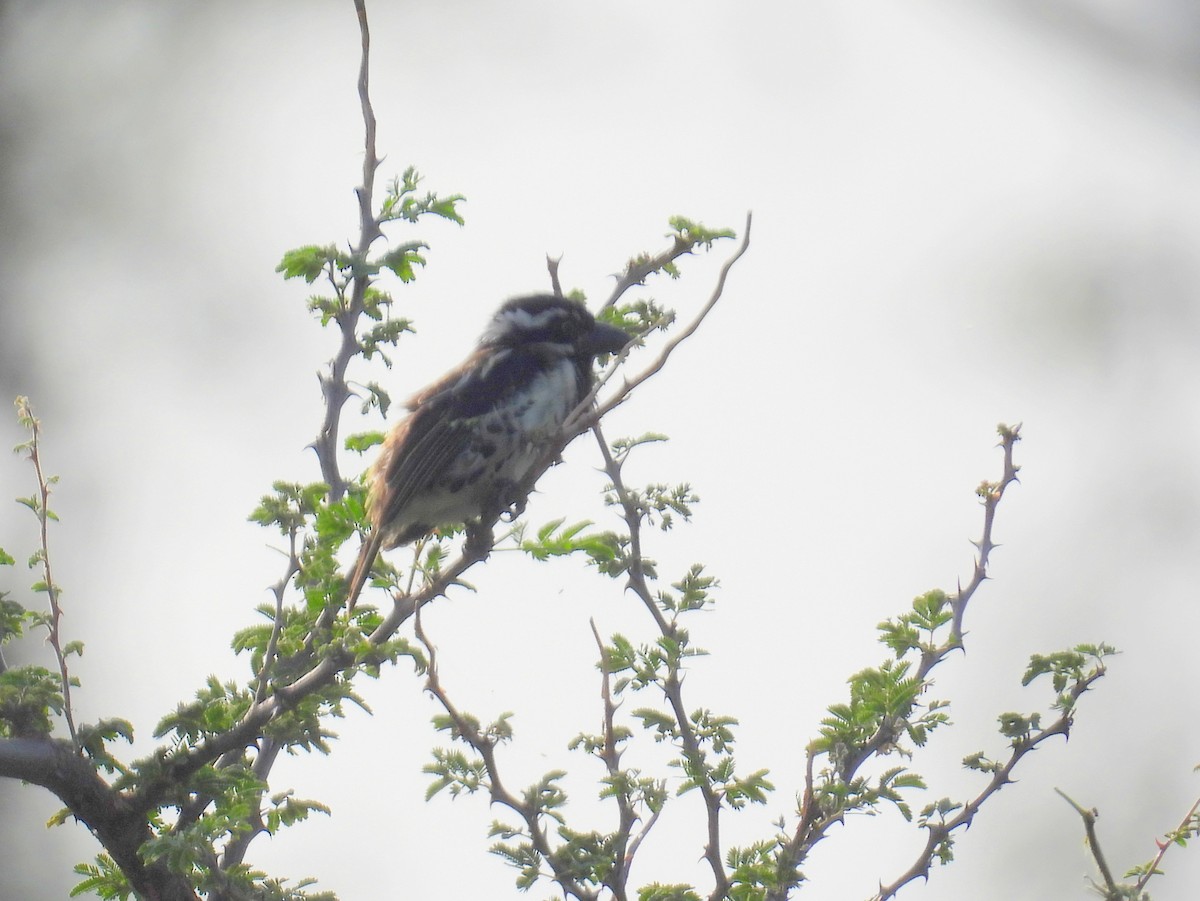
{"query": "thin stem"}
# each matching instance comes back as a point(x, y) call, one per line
point(991, 493)
point(611, 755)
point(485, 747)
point(1163, 846)
point(279, 589)
point(41, 509)
point(637, 271)
point(333, 384)
point(633, 522)
point(671, 686)
point(581, 419)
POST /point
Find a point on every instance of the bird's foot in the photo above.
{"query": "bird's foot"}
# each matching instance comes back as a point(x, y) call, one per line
point(480, 539)
point(511, 500)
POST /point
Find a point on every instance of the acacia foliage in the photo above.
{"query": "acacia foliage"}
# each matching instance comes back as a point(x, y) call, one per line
point(179, 823)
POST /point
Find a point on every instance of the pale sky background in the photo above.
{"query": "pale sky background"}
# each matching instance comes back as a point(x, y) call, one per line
point(964, 214)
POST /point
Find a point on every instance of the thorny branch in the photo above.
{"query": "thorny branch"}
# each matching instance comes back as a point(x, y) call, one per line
point(1093, 842)
point(813, 822)
point(990, 494)
point(938, 833)
point(1187, 828)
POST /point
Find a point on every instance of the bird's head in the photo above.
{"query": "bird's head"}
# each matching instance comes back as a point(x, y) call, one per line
point(545, 319)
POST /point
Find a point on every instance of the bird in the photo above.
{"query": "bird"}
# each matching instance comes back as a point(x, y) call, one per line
point(472, 439)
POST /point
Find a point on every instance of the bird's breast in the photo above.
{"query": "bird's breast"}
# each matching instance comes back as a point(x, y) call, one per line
point(542, 406)
point(508, 440)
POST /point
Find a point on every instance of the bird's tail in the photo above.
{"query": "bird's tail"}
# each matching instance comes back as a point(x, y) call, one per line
point(362, 568)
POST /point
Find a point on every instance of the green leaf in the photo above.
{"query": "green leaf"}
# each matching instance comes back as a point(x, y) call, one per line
point(384, 334)
point(622, 446)
point(555, 540)
point(674, 892)
point(984, 764)
point(363, 441)
point(663, 724)
point(29, 697)
point(639, 318)
point(13, 619)
point(401, 201)
point(104, 879)
point(402, 259)
point(1018, 727)
point(307, 262)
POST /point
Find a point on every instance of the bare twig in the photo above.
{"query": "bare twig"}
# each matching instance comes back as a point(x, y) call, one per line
point(635, 841)
point(552, 264)
point(1089, 818)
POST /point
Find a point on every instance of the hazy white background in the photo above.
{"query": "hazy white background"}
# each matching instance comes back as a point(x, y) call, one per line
point(962, 216)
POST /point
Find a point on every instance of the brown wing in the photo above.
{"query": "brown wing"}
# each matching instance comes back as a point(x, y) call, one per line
point(418, 449)
point(441, 426)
